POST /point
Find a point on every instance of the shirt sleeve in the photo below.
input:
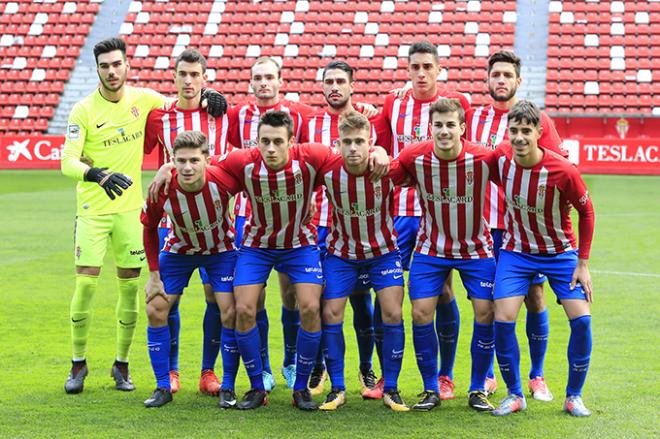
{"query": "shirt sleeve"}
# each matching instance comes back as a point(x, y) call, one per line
point(76, 132)
point(150, 218)
point(304, 129)
point(231, 165)
point(398, 174)
point(153, 130)
point(233, 130)
point(383, 134)
point(550, 137)
point(577, 193)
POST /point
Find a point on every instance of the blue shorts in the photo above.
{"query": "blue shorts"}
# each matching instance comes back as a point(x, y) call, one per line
point(321, 235)
point(175, 270)
point(302, 265)
point(406, 229)
point(516, 271)
point(162, 234)
point(344, 274)
point(239, 226)
point(429, 273)
point(498, 237)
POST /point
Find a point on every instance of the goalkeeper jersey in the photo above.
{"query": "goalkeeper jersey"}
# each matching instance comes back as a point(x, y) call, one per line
point(112, 135)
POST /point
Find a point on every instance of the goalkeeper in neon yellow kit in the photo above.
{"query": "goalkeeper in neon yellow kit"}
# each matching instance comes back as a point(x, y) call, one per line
point(107, 128)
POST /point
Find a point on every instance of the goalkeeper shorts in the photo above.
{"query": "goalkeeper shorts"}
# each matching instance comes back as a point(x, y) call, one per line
point(124, 232)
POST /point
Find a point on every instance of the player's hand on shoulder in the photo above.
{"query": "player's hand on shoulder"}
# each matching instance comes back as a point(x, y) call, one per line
point(214, 102)
point(162, 179)
point(379, 163)
point(582, 275)
point(114, 183)
point(367, 110)
point(401, 93)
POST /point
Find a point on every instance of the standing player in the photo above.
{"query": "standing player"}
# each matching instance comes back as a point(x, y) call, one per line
point(107, 127)
point(265, 82)
point(451, 176)
point(361, 239)
point(407, 124)
point(163, 126)
point(487, 125)
point(322, 126)
point(279, 181)
point(540, 187)
point(201, 236)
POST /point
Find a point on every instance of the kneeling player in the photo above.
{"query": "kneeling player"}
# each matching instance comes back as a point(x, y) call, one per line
point(540, 186)
point(361, 239)
point(450, 176)
point(201, 237)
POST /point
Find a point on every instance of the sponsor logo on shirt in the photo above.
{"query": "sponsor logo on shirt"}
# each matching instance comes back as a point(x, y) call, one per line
point(447, 197)
point(278, 196)
point(519, 202)
point(123, 138)
point(355, 210)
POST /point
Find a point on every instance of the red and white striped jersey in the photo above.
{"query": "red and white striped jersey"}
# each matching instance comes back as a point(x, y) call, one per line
point(280, 199)
point(451, 195)
point(243, 122)
point(201, 224)
point(323, 127)
point(164, 124)
point(487, 126)
point(408, 123)
point(538, 202)
point(362, 224)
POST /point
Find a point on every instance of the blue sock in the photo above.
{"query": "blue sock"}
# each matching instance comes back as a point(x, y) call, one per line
point(491, 367)
point(378, 332)
point(335, 349)
point(508, 355)
point(425, 341)
point(307, 348)
point(158, 342)
point(363, 322)
point(447, 324)
point(394, 340)
point(290, 325)
point(482, 349)
point(262, 323)
point(212, 327)
point(249, 347)
point(538, 329)
point(230, 358)
point(319, 361)
point(579, 354)
point(174, 323)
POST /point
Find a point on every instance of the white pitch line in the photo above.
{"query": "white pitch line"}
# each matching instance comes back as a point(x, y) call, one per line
point(626, 273)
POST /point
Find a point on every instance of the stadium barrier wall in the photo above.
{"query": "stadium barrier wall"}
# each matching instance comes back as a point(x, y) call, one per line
point(593, 155)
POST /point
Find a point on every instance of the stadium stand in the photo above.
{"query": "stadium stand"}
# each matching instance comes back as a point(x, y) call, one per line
point(603, 57)
point(373, 36)
point(39, 45)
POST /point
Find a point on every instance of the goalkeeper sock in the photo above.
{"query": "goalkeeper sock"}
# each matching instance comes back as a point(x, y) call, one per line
point(127, 314)
point(80, 313)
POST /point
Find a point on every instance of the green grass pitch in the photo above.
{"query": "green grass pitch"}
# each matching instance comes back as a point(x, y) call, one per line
point(36, 272)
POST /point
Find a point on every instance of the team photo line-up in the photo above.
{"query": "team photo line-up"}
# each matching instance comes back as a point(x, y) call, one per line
point(339, 201)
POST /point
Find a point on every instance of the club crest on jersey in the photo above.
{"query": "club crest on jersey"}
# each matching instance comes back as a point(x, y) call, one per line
point(418, 131)
point(493, 141)
point(541, 190)
point(335, 143)
point(135, 112)
point(217, 204)
point(298, 178)
point(469, 176)
point(378, 191)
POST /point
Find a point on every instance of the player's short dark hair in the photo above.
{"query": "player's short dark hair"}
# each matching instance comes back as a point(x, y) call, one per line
point(443, 106)
point(525, 112)
point(340, 65)
point(268, 59)
point(109, 45)
point(277, 119)
point(423, 47)
point(191, 56)
point(505, 56)
point(353, 121)
point(191, 140)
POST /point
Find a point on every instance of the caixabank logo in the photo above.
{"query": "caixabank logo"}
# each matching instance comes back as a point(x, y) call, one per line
point(30, 152)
